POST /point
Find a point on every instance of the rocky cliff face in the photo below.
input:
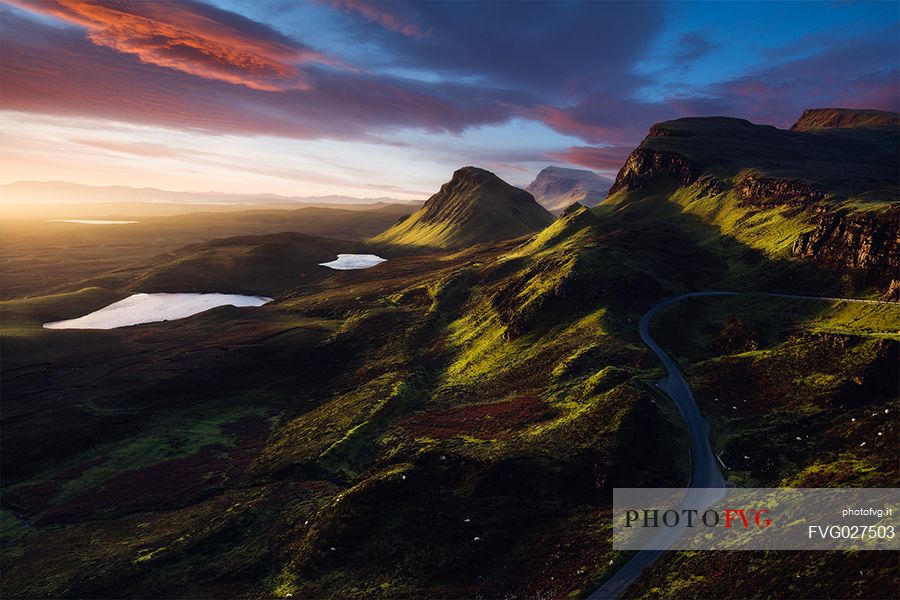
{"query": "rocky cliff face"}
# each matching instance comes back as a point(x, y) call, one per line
point(865, 244)
point(643, 165)
point(760, 191)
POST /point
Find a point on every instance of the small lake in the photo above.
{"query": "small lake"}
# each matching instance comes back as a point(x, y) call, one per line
point(154, 308)
point(347, 262)
point(91, 221)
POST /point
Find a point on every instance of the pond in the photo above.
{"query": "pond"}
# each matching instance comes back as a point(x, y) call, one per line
point(154, 308)
point(347, 262)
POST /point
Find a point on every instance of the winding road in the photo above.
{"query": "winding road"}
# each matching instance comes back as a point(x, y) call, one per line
point(705, 472)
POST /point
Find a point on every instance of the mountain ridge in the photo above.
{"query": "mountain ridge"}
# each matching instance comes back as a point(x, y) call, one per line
point(29, 190)
point(827, 118)
point(836, 186)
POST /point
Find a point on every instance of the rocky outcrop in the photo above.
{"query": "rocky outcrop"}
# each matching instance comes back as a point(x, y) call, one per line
point(761, 191)
point(644, 165)
point(865, 244)
point(826, 118)
point(709, 185)
point(661, 130)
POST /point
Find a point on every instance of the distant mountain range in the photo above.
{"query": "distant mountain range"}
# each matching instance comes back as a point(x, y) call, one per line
point(474, 206)
point(555, 188)
point(60, 192)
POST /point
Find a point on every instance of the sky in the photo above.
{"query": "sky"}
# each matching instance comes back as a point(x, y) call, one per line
point(386, 99)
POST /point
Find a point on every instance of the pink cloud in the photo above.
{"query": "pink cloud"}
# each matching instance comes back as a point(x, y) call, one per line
point(57, 71)
point(608, 159)
point(190, 37)
point(386, 14)
point(603, 118)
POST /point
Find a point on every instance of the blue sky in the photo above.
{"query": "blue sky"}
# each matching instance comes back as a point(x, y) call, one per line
point(387, 99)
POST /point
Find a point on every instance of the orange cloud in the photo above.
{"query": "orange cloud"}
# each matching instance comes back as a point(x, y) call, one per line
point(383, 13)
point(191, 37)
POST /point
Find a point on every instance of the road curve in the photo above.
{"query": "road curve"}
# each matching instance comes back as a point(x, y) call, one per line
point(705, 472)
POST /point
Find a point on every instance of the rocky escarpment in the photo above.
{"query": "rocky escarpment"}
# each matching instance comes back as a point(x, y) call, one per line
point(837, 169)
point(829, 118)
point(865, 244)
point(644, 165)
point(662, 130)
point(756, 190)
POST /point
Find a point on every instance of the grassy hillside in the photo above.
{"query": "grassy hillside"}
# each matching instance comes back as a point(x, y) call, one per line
point(799, 394)
point(38, 257)
point(397, 412)
point(259, 264)
point(462, 415)
point(497, 393)
point(475, 206)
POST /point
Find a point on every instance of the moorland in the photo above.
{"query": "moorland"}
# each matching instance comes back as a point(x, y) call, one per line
point(451, 422)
